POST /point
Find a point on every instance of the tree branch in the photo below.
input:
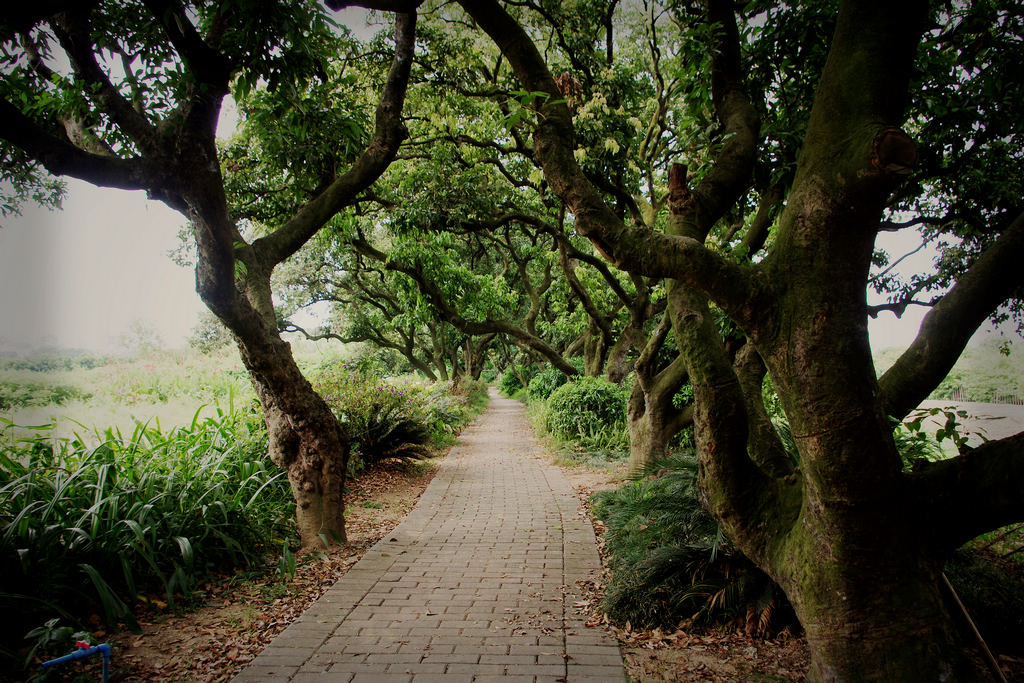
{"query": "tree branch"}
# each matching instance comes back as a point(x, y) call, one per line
point(950, 324)
point(61, 157)
point(973, 493)
point(211, 69)
point(72, 30)
point(632, 248)
point(388, 135)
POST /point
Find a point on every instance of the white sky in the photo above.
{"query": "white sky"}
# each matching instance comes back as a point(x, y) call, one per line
point(79, 277)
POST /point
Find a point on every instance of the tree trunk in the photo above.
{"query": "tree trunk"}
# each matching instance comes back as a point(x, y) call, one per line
point(652, 421)
point(595, 349)
point(305, 439)
point(868, 620)
point(618, 363)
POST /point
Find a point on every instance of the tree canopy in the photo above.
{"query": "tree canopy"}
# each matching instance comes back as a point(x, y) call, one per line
point(675, 192)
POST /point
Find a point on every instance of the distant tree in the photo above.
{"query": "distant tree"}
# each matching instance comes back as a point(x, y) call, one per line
point(140, 337)
point(209, 334)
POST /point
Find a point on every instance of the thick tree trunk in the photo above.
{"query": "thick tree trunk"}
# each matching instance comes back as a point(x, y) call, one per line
point(869, 620)
point(305, 439)
point(595, 350)
point(652, 422)
point(618, 363)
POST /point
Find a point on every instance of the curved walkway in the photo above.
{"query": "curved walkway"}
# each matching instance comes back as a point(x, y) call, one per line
point(479, 582)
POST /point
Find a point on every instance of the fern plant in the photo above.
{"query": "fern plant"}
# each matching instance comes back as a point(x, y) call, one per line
point(670, 562)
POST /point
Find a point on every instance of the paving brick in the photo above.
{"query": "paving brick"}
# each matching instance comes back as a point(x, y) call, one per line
point(469, 587)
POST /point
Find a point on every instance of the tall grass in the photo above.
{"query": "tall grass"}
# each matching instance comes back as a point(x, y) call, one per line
point(146, 515)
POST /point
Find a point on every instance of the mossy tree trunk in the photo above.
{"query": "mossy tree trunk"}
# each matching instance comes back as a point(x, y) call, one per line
point(651, 415)
point(856, 543)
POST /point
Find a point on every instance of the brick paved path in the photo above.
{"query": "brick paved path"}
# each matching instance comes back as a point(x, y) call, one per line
point(479, 582)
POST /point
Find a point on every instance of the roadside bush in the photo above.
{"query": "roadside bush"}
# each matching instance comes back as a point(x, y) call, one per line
point(402, 418)
point(93, 529)
point(544, 384)
point(383, 421)
point(509, 383)
point(669, 561)
point(590, 411)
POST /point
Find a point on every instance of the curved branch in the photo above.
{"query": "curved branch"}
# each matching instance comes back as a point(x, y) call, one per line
point(471, 327)
point(388, 135)
point(61, 157)
point(72, 30)
point(950, 324)
point(973, 493)
point(631, 248)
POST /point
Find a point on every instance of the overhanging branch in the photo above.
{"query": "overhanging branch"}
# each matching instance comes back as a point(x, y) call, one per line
point(388, 135)
point(973, 493)
point(948, 327)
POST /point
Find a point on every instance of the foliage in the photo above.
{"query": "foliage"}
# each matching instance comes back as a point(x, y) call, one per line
point(992, 589)
point(913, 441)
point(52, 363)
point(544, 383)
point(989, 373)
point(403, 418)
point(15, 394)
point(587, 410)
point(509, 382)
point(138, 517)
point(209, 334)
point(669, 561)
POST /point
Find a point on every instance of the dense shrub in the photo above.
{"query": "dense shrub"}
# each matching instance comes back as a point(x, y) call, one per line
point(402, 418)
point(90, 529)
point(383, 421)
point(587, 409)
point(669, 562)
point(509, 383)
point(543, 384)
point(51, 363)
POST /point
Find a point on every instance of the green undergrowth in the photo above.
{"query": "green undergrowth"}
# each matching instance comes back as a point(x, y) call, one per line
point(669, 562)
point(585, 418)
point(405, 417)
point(97, 529)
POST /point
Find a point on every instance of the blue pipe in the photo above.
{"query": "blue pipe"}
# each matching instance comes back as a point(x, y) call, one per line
point(82, 653)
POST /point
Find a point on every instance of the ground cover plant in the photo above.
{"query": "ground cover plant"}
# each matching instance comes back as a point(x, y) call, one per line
point(89, 531)
point(669, 562)
point(403, 418)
